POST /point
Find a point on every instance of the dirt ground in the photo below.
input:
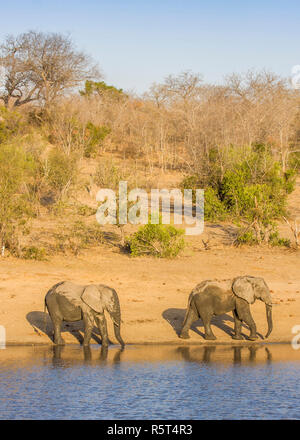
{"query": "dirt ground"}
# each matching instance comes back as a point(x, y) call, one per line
point(153, 293)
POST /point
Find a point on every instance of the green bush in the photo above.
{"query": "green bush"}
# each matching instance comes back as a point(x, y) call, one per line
point(85, 210)
point(214, 209)
point(294, 161)
point(34, 253)
point(258, 197)
point(256, 183)
point(164, 241)
point(16, 171)
point(11, 123)
point(248, 185)
point(102, 89)
point(269, 236)
point(94, 138)
point(61, 172)
point(247, 237)
point(276, 240)
point(191, 182)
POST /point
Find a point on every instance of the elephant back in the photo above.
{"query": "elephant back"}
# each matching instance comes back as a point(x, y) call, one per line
point(223, 285)
point(70, 291)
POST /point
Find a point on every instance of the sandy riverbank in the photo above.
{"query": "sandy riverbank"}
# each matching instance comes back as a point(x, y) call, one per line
point(153, 293)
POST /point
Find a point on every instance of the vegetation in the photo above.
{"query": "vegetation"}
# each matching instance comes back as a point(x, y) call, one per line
point(34, 253)
point(239, 141)
point(100, 88)
point(76, 237)
point(40, 67)
point(251, 188)
point(164, 241)
point(16, 169)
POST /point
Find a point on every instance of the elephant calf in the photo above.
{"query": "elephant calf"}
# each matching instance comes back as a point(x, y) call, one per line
point(213, 297)
point(67, 301)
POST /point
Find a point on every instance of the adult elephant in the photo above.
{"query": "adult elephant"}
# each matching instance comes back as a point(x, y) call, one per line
point(213, 297)
point(67, 301)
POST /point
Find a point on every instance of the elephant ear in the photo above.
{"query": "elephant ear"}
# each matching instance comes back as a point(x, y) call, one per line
point(242, 288)
point(91, 297)
point(262, 291)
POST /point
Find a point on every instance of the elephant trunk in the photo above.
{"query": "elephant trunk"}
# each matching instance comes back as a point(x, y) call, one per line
point(115, 314)
point(116, 318)
point(118, 335)
point(269, 319)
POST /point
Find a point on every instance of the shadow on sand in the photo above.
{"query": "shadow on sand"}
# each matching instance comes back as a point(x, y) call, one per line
point(41, 321)
point(175, 318)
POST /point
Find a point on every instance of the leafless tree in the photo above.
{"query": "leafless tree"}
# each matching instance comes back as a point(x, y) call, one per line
point(39, 66)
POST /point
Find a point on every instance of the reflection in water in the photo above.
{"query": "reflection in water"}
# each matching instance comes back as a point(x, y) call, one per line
point(152, 382)
point(204, 354)
point(87, 355)
point(237, 354)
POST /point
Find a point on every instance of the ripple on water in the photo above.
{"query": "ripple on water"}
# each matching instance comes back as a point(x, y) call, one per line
point(51, 388)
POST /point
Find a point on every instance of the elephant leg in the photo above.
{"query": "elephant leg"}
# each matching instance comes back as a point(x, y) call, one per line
point(56, 321)
point(57, 339)
point(237, 326)
point(88, 327)
point(190, 317)
point(244, 314)
point(101, 323)
point(56, 318)
point(206, 318)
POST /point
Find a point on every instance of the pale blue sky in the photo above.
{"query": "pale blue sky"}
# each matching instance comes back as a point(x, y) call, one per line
point(139, 42)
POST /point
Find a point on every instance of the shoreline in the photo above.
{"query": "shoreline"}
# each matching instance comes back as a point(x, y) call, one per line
point(158, 343)
point(224, 355)
point(153, 296)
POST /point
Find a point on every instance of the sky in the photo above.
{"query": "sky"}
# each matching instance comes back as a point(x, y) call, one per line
point(137, 43)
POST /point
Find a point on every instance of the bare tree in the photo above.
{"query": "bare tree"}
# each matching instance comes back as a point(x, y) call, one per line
point(39, 66)
point(184, 87)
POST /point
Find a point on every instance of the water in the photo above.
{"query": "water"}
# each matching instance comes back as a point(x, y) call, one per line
point(148, 382)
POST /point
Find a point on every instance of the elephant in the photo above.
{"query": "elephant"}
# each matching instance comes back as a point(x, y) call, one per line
point(67, 301)
point(216, 297)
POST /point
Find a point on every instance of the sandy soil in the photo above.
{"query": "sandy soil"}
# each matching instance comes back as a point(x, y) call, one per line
point(153, 293)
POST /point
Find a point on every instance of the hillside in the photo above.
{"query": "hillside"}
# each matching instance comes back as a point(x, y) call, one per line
point(153, 292)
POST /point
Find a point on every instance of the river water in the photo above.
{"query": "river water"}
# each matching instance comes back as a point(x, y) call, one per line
point(150, 382)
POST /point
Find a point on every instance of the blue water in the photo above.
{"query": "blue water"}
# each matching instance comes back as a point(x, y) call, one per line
point(46, 386)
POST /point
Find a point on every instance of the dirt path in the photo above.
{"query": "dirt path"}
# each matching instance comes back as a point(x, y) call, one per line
point(153, 293)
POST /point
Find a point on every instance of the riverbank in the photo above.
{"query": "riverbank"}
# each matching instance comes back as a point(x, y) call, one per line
point(219, 354)
point(153, 293)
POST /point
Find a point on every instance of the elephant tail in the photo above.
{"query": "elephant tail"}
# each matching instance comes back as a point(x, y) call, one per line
point(191, 296)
